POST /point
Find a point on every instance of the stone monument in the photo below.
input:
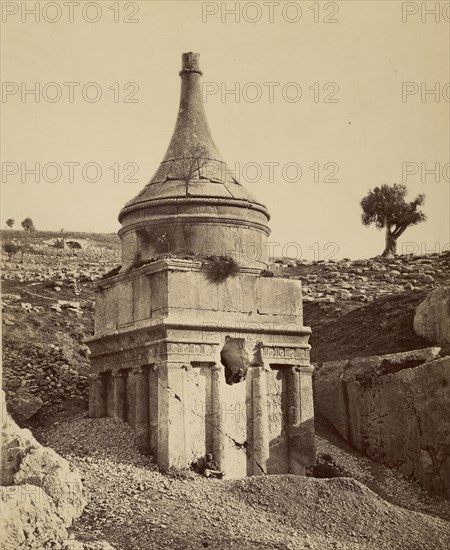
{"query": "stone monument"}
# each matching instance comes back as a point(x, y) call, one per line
point(196, 356)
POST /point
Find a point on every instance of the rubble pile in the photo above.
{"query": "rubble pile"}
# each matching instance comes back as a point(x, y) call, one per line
point(38, 377)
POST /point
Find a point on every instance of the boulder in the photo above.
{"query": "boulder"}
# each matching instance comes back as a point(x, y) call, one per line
point(38, 483)
point(426, 278)
point(432, 318)
point(24, 405)
point(16, 443)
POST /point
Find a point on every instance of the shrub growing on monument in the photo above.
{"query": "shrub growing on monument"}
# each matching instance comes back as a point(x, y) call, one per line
point(189, 167)
point(218, 268)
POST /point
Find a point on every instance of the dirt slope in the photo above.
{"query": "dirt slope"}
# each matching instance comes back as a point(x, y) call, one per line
point(379, 327)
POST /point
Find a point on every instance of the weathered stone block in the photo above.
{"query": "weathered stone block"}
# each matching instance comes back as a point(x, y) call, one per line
point(432, 318)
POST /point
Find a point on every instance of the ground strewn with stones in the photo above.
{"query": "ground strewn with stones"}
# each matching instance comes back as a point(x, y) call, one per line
point(134, 507)
point(365, 280)
point(356, 308)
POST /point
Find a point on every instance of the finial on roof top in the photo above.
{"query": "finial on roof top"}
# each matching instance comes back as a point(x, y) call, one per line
point(190, 63)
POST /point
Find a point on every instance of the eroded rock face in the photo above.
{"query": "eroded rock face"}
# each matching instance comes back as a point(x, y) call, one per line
point(41, 494)
point(44, 468)
point(432, 318)
point(28, 518)
point(15, 445)
point(393, 409)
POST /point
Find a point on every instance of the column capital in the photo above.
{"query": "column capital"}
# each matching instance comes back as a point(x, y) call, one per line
point(306, 369)
point(119, 374)
point(140, 369)
point(258, 370)
point(216, 367)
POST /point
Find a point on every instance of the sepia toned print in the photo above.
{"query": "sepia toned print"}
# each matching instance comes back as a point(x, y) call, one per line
point(225, 275)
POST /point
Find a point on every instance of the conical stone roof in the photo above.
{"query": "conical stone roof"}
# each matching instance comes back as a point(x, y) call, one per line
point(193, 185)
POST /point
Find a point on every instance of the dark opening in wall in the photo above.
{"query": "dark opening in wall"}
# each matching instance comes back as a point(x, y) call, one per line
point(326, 467)
point(235, 359)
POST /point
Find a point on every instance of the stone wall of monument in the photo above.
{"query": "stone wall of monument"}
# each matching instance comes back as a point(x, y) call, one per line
point(155, 291)
point(195, 367)
point(263, 424)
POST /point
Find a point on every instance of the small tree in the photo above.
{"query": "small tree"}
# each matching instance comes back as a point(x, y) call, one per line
point(186, 168)
point(10, 249)
point(386, 207)
point(10, 222)
point(28, 224)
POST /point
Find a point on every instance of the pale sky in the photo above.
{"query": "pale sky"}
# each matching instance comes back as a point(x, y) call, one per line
point(367, 134)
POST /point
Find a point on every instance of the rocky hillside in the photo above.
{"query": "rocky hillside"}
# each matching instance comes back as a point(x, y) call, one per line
point(47, 311)
point(365, 280)
point(376, 328)
point(365, 307)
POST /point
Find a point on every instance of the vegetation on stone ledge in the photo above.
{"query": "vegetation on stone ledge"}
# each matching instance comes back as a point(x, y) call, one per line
point(218, 269)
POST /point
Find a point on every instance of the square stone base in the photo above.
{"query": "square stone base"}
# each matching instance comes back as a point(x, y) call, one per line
point(197, 367)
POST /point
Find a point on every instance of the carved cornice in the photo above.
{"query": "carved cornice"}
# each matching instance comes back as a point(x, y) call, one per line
point(213, 201)
point(163, 264)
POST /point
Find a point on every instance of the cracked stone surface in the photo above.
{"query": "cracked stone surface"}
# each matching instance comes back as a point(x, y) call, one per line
point(393, 408)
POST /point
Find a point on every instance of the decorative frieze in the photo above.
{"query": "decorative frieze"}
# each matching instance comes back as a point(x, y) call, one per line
point(190, 349)
point(287, 353)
